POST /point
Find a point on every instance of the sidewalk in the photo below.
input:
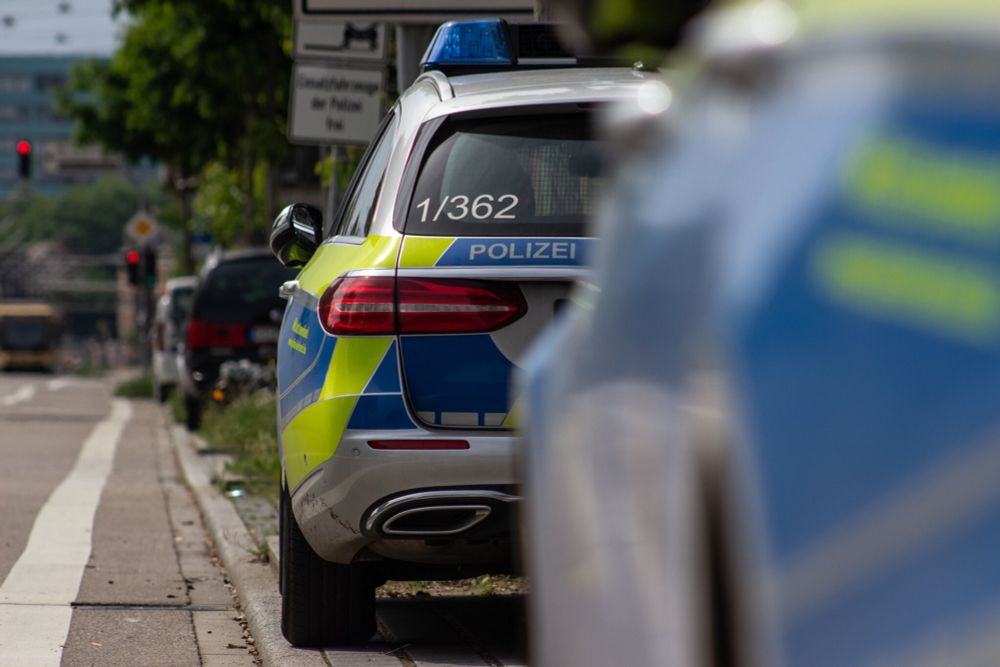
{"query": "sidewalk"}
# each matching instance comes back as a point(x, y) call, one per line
point(239, 546)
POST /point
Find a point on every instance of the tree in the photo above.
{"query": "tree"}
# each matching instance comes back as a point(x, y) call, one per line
point(193, 83)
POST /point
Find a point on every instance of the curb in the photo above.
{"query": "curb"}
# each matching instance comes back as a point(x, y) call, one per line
point(256, 582)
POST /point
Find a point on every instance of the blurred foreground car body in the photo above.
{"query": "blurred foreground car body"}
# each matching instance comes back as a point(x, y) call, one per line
point(235, 314)
point(766, 434)
point(169, 321)
point(459, 240)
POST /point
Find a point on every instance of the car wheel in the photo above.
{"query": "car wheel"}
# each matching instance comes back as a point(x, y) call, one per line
point(322, 603)
point(192, 411)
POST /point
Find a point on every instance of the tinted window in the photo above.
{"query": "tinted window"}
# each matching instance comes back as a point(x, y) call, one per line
point(513, 175)
point(25, 333)
point(242, 290)
point(360, 209)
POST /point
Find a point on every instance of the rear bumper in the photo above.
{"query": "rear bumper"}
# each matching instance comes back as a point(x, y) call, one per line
point(362, 499)
point(26, 359)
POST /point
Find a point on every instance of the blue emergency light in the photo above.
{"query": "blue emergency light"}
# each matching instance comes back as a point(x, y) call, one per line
point(493, 44)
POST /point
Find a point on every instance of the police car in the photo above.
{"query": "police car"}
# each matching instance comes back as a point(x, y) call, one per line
point(457, 243)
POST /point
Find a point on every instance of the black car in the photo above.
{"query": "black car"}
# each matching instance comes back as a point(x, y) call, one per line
point(235, 314)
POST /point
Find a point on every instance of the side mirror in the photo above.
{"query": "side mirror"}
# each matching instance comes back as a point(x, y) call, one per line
point(296, 233)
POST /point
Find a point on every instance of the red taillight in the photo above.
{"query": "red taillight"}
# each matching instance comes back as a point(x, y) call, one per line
point(383, 305)
point(411, 445)
point(358, 307)
point(215, 334)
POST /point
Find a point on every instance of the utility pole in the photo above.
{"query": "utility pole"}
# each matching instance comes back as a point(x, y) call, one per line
point(543, 10)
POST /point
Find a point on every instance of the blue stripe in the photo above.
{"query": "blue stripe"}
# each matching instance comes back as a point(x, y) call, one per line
point(517, 252)
point(385, 411)
point(306, 392)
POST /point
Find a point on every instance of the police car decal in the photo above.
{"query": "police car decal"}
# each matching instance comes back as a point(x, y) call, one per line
point(492, 251)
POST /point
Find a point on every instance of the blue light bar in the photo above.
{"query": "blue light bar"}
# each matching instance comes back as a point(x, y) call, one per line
point(479, 42)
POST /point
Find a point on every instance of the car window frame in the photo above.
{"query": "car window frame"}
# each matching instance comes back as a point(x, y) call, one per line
point(381, 134)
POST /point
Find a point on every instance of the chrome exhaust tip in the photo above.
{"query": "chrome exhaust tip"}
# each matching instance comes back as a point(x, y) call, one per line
point(430, 514)
point(435, 520)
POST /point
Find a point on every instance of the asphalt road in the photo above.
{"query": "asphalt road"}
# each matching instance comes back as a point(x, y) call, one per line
point(106, 553)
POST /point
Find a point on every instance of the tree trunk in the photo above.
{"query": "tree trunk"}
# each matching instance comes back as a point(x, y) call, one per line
point(183, 190)
point(250, 234)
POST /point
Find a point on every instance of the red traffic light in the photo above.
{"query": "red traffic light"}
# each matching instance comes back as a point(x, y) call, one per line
point(132, 257)
point(24, 147)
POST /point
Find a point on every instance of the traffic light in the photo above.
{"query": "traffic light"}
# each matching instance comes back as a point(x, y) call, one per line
point(24, 159)
point(150, 267)
point(132, 266)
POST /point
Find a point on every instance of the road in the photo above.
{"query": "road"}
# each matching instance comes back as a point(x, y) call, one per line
point(105, 559)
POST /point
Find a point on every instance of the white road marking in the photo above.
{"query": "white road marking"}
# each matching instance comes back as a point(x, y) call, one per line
point(35, 598)
point(24, 393)
point(58, 383)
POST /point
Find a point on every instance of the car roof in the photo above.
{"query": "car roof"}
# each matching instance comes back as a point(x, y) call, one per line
point(536, 87)
point(225, 256)
point(180, 282)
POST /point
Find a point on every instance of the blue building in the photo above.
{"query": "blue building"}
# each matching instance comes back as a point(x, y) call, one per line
point(40, 42)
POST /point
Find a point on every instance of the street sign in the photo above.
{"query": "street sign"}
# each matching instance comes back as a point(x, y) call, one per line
point(321, 39)
point(333, 104)
point(142, 228)
point(418, 11)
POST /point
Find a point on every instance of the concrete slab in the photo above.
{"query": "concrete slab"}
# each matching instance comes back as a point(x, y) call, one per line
point(130, 637)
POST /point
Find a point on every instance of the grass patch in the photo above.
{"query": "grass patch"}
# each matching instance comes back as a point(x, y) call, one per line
point(139, 387)
point(176, 403)
point(247, 427)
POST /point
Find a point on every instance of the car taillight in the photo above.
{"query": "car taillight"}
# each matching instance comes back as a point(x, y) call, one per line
point(365, 306)
point(215, 334)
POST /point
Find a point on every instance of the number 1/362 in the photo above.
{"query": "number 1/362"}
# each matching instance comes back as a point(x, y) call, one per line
point(460, 207)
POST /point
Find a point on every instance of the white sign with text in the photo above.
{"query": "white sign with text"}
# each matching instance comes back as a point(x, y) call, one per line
point(333, 104)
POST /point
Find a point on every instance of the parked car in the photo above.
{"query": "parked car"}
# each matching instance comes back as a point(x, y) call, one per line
point(168, 332)
point(458, 241)
point(768, 433)
point(235, 314)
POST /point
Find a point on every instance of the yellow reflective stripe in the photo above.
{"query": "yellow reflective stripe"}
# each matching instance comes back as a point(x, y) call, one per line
point(303, 440)
point(949, 295)
point(335, 259)
point(818, 16)
point(354, 362)
point(300, 330)
point(421, 251)
point(514, 415)
point(297, 346)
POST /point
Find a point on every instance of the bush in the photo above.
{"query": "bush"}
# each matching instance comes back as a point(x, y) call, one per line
point(248, 428)
point(140, 387)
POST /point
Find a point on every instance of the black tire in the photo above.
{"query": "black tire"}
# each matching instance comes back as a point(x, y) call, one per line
point(192, 412)
point(322, 603)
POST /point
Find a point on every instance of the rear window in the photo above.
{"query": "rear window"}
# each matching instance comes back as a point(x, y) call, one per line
point(533, 175)
point(25, 333)
point(180, 303)
point(242, 290)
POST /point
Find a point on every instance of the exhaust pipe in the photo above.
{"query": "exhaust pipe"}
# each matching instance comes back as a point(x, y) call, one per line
point(435, 513)
point(435, 520)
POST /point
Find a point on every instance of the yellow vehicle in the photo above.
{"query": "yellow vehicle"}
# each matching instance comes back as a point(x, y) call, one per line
point(29, 333)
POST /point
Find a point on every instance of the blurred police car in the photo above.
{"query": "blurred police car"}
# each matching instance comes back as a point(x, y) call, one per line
point(458, 241)
point(783, 449)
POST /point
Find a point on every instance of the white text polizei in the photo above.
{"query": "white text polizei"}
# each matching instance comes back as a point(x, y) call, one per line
point(523, 250)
